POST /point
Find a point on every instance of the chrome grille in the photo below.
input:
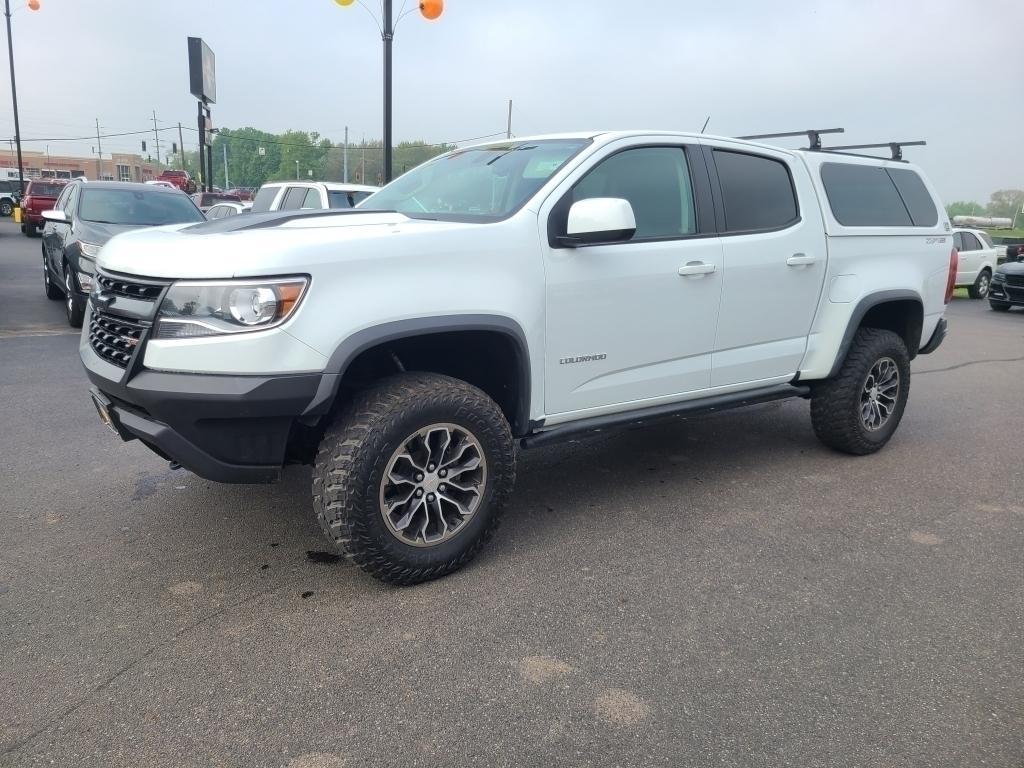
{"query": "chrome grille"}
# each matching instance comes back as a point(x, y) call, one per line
point(114, 338)
point(130, 288)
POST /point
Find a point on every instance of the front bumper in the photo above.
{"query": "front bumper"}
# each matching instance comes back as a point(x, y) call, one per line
point(1002, 293)
point(231, 429)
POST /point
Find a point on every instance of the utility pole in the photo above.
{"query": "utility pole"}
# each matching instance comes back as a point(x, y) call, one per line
point(99, 152)
point(345, 158)
point(296, 170)
point(181, 148)
point(508, 133)
point(14, 94)
point(156, 133)
point(227, 184)
point(388, 34)
point(362, 172)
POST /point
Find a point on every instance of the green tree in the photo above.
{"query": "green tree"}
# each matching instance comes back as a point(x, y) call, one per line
point(965, 208)
point(302, 153)
point(1005, 202)
point(254, 156)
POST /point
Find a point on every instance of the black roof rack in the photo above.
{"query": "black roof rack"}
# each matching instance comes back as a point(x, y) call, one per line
point(813, 135)
point(895, 147)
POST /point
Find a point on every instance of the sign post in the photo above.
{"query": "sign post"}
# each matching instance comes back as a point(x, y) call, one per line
point(202, 77)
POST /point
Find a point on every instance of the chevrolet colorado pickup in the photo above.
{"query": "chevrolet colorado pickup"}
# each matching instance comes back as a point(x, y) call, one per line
point(510, 295)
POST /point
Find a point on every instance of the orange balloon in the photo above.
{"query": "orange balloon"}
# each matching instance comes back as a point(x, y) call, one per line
point(431, 9)
point(33, 5)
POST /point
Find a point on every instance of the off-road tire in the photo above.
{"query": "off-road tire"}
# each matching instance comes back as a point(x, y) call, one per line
point(981, 286)
point(998, 306)
point(6, 208)
point(354, 453)
point(836, 402)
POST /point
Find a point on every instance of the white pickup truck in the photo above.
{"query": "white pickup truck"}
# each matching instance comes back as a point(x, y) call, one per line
point(510, 295)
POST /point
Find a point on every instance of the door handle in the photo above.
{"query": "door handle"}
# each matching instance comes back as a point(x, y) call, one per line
point(800, 260)
point(696, 269)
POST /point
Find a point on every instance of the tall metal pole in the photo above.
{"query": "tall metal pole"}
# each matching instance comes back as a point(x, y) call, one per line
point(387, 35)
point(227, 184)
point(345, 161)
point(99, 152)
point(508, 133)
point(201, 157)
point(181, 148)
point(14, 92)
point(156, 133)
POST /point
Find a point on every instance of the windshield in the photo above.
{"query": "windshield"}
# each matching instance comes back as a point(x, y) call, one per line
point(136, 207)
point(44, 189)
point(476, 184)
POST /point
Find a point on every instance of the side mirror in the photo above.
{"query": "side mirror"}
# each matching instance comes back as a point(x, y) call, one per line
point(599, 220)
point(57, 217)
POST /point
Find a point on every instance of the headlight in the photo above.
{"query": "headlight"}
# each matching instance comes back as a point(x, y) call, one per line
point(194, 309)
point(999, 277)
point(85, 282)
point(89, 249)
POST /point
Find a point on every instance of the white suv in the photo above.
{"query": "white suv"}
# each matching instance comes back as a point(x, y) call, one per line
point(978, 257)
point(511, 295)
point(309, 196)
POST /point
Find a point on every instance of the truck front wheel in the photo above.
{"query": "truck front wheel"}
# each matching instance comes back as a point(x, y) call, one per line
point(859, 409)
point(412, 477)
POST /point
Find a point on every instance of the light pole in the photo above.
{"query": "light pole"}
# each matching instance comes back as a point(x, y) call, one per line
point(431, 10)
point(296, 170)
point(33, 5)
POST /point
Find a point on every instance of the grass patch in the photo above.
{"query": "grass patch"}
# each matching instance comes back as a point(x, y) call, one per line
point(1013, 234)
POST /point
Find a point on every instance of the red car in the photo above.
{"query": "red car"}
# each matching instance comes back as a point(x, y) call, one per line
point(40, 196)
point(181, 179)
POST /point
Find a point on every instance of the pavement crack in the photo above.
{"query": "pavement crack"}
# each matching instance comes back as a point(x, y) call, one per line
point(59, 718)
point(970, 362)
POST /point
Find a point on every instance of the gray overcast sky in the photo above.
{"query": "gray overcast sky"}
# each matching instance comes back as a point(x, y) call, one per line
point(896, 69)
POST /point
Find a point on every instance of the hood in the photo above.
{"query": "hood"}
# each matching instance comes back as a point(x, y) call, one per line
point(1011, 268)
point(249, 245)
point(95, 232)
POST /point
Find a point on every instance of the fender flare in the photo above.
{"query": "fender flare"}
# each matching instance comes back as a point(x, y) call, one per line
point(865, 304)
point(360, 341)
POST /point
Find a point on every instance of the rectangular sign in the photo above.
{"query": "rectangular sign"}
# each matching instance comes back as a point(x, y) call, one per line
point(202, 74)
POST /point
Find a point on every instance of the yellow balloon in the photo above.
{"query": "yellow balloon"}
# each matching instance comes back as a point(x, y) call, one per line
point(344, 3)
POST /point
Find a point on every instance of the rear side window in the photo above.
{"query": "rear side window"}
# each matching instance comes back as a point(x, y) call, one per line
point(312, 199)
point(915, 196)
point(970, 242)
point(264, 199)
point(872, 196)
point(757, 192)
point(44, 189)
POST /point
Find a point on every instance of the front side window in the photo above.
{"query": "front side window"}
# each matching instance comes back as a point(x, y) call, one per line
point(137, 207)
point(477, 184)
point(343, 199)
point(988, 240)
point(757, 192)
point(655, 181)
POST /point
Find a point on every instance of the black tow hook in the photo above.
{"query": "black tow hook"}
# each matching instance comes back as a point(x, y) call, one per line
point(175, 465)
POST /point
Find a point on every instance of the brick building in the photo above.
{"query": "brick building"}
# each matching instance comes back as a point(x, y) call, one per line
point(114, 167)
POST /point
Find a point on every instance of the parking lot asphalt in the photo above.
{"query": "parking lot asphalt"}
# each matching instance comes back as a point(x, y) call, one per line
point(720, 591)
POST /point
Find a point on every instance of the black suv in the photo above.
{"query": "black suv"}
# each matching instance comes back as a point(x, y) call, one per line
point(87, 215)
point(1007, 289)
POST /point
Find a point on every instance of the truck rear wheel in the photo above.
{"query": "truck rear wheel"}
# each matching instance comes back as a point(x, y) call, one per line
point(859, 409)
point(411, 480)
